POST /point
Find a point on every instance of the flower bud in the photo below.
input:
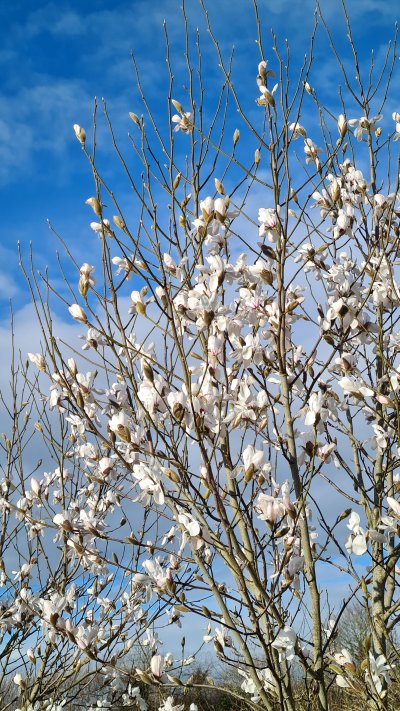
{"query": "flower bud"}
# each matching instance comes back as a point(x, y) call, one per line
point(177, 106)
point(18, 680)
point(134, 118)
point(83, 287)
point(35, 486)
point(118, 222)
point(31, 655)
point(257, 156)
point(38, 360)
point(72, 366)
point(80, 134)
point(219, 187)
point(77, 313)
point(95, 205)
point(335, 190)
point(148, 371)
point(176, 182)
point(236, 136)
point(342, 126)
point(262, 70)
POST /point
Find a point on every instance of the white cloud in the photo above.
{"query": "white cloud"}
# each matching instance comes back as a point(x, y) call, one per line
point(37, 119)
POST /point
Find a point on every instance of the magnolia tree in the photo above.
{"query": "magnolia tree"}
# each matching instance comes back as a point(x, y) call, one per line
point(224, 445)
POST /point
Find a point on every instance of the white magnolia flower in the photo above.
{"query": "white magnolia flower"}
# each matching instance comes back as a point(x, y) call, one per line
point(80, 133)
point(253, 459)
point(38, 360)
point(285, 642)
point(267, 96)
point(357, 542)
point(364, 126)
point(183, 119)
point(270, 224)
point(77, 313)
point(396, 119)
point(355, 388)
point(312, 152)
point(123, 264)
point(297, 130)
point(169, 705)
point(378, 669)
point(18, 680)
point(269, 508)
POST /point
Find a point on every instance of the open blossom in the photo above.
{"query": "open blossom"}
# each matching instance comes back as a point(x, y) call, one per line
point(378, 670)
point(364, 126)
point(123, 264)
point(270, 508)
point(169, 705)
point(267, 680)
point(342, 225)
point(355, 388)
point(139, 304)
point(183, 120)
point(270, 223)
point(312, 152)
point(344, 659)
point(86, 278)
point(267, 96)
point(253, 460)
point(120, 425)
point(297, 130)
point(357, 542)
point(285, 643)
point(396, 119)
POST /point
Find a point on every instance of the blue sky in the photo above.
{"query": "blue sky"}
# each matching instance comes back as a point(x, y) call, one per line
point(55, 57)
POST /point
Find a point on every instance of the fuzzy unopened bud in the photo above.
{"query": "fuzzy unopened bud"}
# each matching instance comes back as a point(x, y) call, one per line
point(73, 368)
point(248, 475)
point(342, 126)
point(134, 118)
point(176, 182)
point(219, 187)
point(236, 136)
point(257, 156)
point(118, 222)
point(148, 371)
point(95, 205)
point(31, 655)
point(262, 70)
point(335, 190)
point(173, 476)
point(178, 411)
point(35, 487)
point(83, 287)
point(80, 134)
point(177, 106)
